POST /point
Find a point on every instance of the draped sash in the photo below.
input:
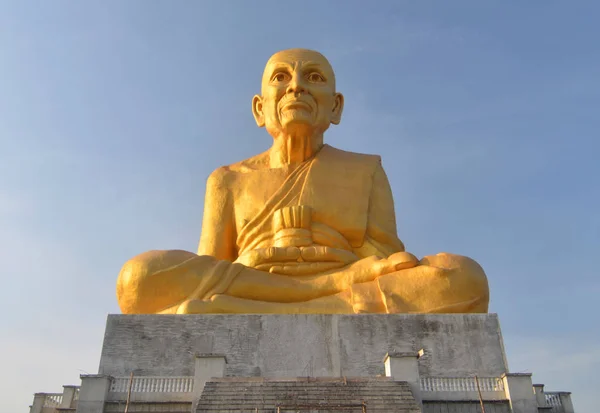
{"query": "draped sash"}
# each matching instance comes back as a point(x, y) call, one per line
point(258, 232)
point(337, 186)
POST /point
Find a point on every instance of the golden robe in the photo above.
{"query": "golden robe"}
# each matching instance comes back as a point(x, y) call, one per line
point(311, 204)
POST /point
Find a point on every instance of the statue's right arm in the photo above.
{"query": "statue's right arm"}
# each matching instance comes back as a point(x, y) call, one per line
point(218, 227)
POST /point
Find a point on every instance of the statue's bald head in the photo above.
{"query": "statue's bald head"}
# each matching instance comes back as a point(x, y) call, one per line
point(297, 92)
point(293, 57)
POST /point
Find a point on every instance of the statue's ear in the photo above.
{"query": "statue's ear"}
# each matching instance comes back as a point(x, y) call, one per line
point(338, 107)
point(257, 111)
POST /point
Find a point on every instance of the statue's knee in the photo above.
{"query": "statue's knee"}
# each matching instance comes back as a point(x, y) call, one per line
point(132, 273)
point(129, 284)
point(148, 284)
point(472, 282)
point(463, 273)
point(472, 271)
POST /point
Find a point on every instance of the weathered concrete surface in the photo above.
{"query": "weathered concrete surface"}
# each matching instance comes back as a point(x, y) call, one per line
point(302, 345)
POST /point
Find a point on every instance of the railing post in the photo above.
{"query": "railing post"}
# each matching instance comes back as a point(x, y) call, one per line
point(68, 396)
point(519, 392)
point(38, 403)
point(540, 396)
point(405, 367)
point(565, 400)
point(93, 393)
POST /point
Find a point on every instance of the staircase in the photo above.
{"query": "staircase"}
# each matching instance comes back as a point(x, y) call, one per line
point(253, 395)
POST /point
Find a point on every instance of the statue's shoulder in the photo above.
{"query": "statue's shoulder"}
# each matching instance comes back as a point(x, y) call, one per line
point(347, 157)
point(219, 178)
point(259, 161)
point(225, 175)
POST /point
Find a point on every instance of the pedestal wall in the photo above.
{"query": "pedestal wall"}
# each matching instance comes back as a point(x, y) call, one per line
point(303, 345)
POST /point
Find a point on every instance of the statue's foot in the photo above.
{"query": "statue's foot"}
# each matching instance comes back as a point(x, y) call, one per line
point(370, 268)
point(402, 261)
point(223, 304)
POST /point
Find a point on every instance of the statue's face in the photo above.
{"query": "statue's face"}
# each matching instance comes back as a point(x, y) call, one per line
point(298, 94)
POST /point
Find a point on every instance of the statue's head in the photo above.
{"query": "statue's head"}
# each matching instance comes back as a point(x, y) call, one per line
point(298, 94)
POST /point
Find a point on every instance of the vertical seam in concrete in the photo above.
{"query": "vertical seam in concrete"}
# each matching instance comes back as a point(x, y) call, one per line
point(336, 349)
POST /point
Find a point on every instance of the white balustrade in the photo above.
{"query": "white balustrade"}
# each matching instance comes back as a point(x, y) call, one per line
point(461, 384)
point(153, 384)
point(53, 399)
point(553, 401)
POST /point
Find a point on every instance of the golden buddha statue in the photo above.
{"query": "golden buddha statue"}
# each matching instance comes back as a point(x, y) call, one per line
point(301, 228)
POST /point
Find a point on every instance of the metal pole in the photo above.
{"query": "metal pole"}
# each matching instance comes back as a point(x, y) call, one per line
point(129, 392)
point(478, 391)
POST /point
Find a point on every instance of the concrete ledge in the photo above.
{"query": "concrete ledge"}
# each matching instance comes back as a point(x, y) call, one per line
point(415, 354)
point(344, 380)
point(462, 396)
point(211, 356)
point(151, 397)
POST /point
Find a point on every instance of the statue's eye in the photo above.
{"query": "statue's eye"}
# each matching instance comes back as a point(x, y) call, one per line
point(315, 77)
point(280, 77)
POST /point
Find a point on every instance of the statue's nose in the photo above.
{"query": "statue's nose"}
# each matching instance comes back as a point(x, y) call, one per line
point(295, 86)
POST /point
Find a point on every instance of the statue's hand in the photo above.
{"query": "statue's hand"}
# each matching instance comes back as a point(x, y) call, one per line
point(318, 259)
point(266, 256)
point(315, 259)
point(310, 260)
point(321, 253)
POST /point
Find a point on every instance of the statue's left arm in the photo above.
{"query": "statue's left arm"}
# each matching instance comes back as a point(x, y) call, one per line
point(381, 237)
point(218, 229)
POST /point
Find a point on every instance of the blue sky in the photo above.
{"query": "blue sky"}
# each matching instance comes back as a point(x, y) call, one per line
point(113, 113)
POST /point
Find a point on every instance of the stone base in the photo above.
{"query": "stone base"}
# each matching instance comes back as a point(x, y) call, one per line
point(281, 346)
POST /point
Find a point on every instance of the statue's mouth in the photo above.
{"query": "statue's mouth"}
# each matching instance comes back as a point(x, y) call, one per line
point(296, 104)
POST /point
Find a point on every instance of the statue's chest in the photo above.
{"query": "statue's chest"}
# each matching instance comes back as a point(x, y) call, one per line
point(253, 190)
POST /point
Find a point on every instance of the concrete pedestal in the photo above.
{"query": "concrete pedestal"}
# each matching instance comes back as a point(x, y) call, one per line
point(459, 345)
